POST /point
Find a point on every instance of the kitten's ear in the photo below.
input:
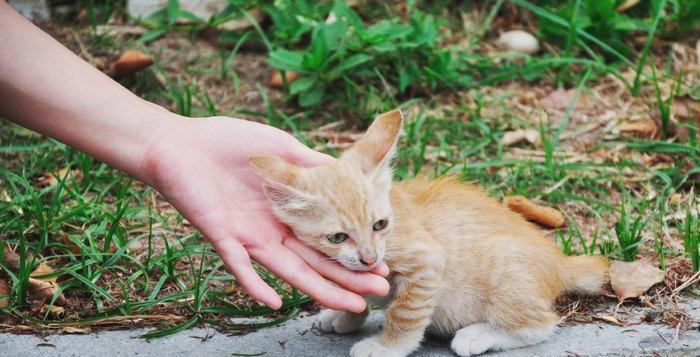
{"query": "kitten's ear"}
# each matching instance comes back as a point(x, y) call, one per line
point(286, 199)
point(275, 169)
point(279, 184)
point(378, 145)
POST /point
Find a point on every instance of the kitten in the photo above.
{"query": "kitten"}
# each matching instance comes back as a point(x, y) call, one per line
point(461, 263)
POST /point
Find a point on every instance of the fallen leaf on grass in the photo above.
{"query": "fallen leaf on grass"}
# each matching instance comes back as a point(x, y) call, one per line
point(516, 136)
point(240, 24)
point(560, 99)
point(57, 312)
point(120, 30)
point(685, 109)
point(4, 293)
point(276, 78)
point(632, 279)
point(10, 258)
point(72, 247)
point(675, 198)
point(546, 216)
point(610, 319)
point(130, 62)
point(50, 179)
point(642, 129)
point(76, 330)
point(43, 289)
point(627, 4)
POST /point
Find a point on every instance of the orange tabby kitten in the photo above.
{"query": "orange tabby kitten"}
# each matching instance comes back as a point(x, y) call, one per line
point(460, 262)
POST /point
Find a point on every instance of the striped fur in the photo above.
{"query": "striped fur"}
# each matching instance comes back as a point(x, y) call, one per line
point(461, 264)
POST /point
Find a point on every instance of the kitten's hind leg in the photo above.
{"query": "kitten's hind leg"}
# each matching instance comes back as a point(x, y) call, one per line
point(341, 321)
point(479, 338)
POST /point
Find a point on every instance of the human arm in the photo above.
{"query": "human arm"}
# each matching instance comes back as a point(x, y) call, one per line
point(200, 166)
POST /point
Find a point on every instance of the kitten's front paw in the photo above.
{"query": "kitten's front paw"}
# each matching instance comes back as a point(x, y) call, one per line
point(472, 340)
point(340, 321)
point(372, 347)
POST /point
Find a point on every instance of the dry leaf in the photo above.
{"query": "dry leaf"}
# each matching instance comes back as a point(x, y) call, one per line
point(675, 198)
point(130, 62)
point(685, 109)
point(56, 312)
point(76, 330)
point(71, 246)
point(37, 306)
point(686, 112)
point(43, 289)
point(276, 78)
point(560, 99)
point(10, 259)
point(626, 5)
point(632, 279)
point(49, 179)
point(43, 269)
point(546, 216)
point(609, 319)
point(4, 196)
point(643, 128)
point(120, 30)
point(516, 136)
point(240, 24)
point(4, 293)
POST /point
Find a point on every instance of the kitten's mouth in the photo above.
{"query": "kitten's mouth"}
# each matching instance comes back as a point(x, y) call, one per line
point(357, 266)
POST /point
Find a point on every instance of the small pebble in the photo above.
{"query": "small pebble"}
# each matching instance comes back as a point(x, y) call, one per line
point(519, 41)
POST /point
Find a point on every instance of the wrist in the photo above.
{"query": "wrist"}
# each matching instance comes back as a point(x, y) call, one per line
point(159, 125)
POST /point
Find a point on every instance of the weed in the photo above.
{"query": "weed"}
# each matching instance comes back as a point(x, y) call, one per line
point(629, 230)
point(294, 19)
point(690, 231)
point(658, 9)
point(346, 52)
point(226, 62)
point(566, 242)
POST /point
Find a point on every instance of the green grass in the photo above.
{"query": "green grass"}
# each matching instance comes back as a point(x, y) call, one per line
point(118, 250)
point(629, 230)
point(690, 231)
point(103, 217)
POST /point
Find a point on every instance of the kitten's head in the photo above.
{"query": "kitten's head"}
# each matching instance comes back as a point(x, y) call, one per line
point(341, 209)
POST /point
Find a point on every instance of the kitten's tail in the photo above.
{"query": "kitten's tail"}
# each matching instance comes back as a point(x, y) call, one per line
point(585, 274)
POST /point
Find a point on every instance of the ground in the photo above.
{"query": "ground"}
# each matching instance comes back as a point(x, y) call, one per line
point(567, 127)
point(299, 337)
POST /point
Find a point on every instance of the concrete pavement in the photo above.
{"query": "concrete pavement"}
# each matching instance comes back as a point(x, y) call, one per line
point(298, 338)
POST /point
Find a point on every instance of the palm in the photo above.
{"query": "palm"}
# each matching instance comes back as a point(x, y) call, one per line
point(202, 169)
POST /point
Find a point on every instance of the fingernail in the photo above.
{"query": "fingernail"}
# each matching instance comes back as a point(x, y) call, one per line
point(382, 270)
point(381, 288)
point(385, 288)
point(274, 304)
point(359, 308)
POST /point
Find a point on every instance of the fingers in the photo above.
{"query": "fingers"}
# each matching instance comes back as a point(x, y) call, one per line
point(238, 262)
point(289, 267)
point(381, 270)
point(358, 282)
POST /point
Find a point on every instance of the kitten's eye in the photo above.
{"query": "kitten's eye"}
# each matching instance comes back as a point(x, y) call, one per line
point(337, 238)
point(380, 225)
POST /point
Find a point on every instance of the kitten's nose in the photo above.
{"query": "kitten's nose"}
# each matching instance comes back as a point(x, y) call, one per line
point(368, 261)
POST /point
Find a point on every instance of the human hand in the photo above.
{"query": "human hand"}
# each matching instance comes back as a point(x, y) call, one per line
point(201, 167)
